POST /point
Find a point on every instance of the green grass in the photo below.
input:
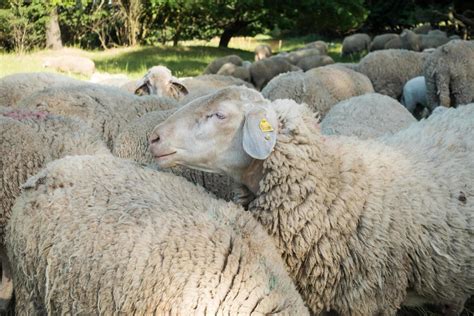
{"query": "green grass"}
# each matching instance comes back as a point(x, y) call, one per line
point(188, 59)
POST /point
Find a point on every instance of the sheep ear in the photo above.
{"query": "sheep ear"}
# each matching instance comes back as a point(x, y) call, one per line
point(259, 132)
point(177, 89)
point(143, 87)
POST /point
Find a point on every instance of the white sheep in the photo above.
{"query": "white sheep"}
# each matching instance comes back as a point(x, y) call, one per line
point(101, 235)
point(159, 81)
point(28, 140)
point(320, 45)
point(320, 87)
point(17, 86)
point(390, 69)
point(115, 80)
point(361, 224)
point(379, 41)
point(240, 72)
point(414, 96)
point(449, 74)
point(106, 109)
point(355, 43)
point(132, 143)
point(367, 116)
point(309, 62)
point(262, 51)
point(69, 63)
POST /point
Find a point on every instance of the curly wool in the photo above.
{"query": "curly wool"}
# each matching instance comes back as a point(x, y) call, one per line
point(106, 109)
point(367, 116)
point(390, 69)
point(449, 74)
point(132, 143)
point(100, 235)
point(320, 88)
point(31, 139)
point(360, 222)
point(15, 87)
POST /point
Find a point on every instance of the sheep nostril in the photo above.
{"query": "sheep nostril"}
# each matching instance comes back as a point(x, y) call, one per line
point(154, 139)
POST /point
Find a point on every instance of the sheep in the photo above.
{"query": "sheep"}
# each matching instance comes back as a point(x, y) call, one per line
point(132, 143)
point(355, 43)
point(101, 235)
point(361, 224)
point(265, 70)
point(414, 96)
point(17, 86)
point(390, 69)
point(449, 74)
point(296, 56)
point(31, 139)
point(320, 45)
point(437, 33)
point(106, 109)
point(352, 66)
point(28, 140)
point(240, 72)
point(320, 87)
point(159, 81)
point(206, 84)
point(262, 51)
point(367, 116)
point(410, 40)
point(217, 63)
point(379, 41)
point(394, 43)
point(309, 62)
point(454, 37)
point(67, 63)
point(430, 41)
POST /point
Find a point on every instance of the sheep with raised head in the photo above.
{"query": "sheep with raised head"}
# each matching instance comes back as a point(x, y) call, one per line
point(159, 81)
point(361, 224)
point(106, 109)
point(379, 41)
point(366, 116)
point(320, 87)
point(262, 51)
point(217, 63)
point(449, 74)
point(263, 71)
point(390, 69)
point(101, 235)
point(15, 87)
point(132, 143)
point(355, 43)
point(68, 63)
point(410, 40)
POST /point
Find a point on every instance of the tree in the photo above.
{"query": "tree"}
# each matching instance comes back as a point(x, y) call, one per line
point(53, 32)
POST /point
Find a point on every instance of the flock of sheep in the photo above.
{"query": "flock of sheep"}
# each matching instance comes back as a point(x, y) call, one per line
point(129, 197)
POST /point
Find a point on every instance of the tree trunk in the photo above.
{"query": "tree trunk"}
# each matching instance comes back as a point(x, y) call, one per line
point(231, 31)
point(53, 33)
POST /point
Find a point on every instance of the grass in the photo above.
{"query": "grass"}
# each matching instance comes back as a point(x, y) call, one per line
point(188, 59)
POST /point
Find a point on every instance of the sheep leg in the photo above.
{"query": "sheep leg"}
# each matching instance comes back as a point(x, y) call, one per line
point(442, 84)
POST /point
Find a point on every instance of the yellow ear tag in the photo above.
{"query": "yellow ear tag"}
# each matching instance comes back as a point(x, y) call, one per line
point(265, 126)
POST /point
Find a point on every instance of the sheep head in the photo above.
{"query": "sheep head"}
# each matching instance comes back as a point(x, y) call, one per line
point(224, 132)
point(161, 82)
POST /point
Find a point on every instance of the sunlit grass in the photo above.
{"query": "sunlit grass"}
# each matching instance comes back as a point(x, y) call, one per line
point(188, 59)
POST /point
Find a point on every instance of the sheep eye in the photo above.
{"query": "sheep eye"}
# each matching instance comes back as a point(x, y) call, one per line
point(218, 115)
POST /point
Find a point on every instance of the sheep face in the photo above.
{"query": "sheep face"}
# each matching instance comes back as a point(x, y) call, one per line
point(221, 133)
point(159, 81)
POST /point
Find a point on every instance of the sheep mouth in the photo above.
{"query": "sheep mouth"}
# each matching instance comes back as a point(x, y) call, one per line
point(165, 155)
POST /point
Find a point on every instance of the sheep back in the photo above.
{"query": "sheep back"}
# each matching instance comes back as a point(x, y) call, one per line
point(100, 235)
